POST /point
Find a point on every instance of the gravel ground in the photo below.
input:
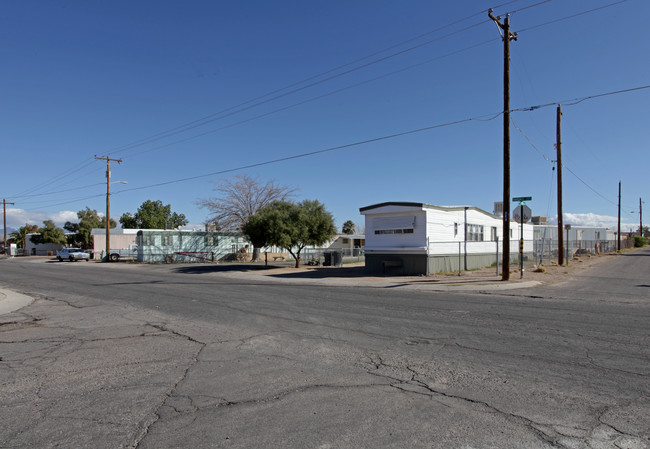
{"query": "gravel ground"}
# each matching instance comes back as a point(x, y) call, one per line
point(553, 273)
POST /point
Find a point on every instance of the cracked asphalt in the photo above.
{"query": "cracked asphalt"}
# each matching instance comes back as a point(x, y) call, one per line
point(151, 356)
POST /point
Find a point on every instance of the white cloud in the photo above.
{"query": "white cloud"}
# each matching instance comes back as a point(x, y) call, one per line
point(590, 219)
point(19, 217)
point(193, 227)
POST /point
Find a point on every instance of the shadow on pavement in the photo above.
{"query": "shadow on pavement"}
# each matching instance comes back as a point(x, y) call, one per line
point(203, 269)
point(322, 273)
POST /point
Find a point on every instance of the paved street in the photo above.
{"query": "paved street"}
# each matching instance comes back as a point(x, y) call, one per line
point(154, 356)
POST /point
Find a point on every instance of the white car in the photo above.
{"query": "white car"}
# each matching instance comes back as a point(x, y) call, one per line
point(72, 254)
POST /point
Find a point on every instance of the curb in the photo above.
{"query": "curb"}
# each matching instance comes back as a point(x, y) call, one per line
point(11, 301)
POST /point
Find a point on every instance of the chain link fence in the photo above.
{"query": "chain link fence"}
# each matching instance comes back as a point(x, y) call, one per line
point(456, 257)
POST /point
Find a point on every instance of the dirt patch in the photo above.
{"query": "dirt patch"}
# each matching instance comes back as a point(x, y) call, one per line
point(554, 273)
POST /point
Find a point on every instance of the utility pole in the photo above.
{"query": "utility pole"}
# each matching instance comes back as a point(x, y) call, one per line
point(640, 218)
point(108, 202)
point(4, 210)
point(560, 219)
point(507, 37)
point(618, 240)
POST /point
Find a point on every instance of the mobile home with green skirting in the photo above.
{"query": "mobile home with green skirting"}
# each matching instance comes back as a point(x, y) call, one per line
point(404, 238)
point(157, 245)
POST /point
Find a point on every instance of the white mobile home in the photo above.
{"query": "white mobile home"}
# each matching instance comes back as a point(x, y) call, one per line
point(417, 238)
point(577, 239)
point(156, 245)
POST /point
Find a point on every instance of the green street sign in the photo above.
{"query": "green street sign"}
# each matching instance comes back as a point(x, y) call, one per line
point(522, 198)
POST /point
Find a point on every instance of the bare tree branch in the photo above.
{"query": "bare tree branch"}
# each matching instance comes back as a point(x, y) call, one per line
point(240, 197)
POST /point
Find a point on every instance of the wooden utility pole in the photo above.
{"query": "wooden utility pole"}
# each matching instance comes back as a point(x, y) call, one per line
point(108, 202)
point(560, 219)
point(640, 218)
point(618, 239)
point(507, 37)
point(4, 211)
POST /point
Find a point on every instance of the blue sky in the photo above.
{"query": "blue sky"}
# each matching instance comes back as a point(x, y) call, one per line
point(85, 78)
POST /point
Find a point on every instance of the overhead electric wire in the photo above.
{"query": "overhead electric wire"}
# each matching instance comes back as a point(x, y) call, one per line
point(62, 191)
point(528, 7)
point(299, 89)
point(377, 139)
point(570, 16)
point(563, 166)
point(83, 164)
point(209, 118)
point(485, 117)
point(241, 122)
point(202, 121)
point(327, 94)
point(529, 141)
point(574, 101)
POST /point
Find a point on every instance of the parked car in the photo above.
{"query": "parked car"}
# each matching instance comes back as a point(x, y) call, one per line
point(72, 254)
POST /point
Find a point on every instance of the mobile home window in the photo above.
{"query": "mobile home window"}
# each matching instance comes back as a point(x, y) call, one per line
point(393, 231)
point(147, 240)
point(167, 240)
point(394, 225)
point(475, 233)
point(455, 229)
point(493, 234)
point(209, 240)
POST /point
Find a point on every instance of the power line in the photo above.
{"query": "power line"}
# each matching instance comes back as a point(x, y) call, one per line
point(220, 116)
point(377, 139)
point(61, 191)
point(571, 16)
point(485, 117)
point(563, 166)
point(332, 92)
point(257, 101)
point(201, 122)
point(529, 141)
point(309, 100)
point(578, 100)
point(54, 179)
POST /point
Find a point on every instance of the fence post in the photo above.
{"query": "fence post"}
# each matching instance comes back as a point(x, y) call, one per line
point(497, 255)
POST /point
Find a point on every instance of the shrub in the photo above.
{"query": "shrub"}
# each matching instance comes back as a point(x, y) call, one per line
point(639, 241)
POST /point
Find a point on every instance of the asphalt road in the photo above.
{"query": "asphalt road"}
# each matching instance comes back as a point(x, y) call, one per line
point(154, 356)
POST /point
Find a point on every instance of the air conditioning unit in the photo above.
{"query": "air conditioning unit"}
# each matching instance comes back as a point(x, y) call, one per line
point(498, 208)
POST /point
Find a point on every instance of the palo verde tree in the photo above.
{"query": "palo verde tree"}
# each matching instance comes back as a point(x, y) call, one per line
point(18, 237)
point(153, 215)
point(291, 226)
point(49, 233)
point(88, 219)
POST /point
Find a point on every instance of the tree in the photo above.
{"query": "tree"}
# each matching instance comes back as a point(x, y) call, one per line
point(153, 215)
point(239, 198)
point(18, 237)
point(49, 233)
point(291, 226)
point(88, 219)
point(348, 227)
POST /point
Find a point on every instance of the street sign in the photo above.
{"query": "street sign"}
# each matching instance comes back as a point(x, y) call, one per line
point(523, 198)
point(524, 210)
